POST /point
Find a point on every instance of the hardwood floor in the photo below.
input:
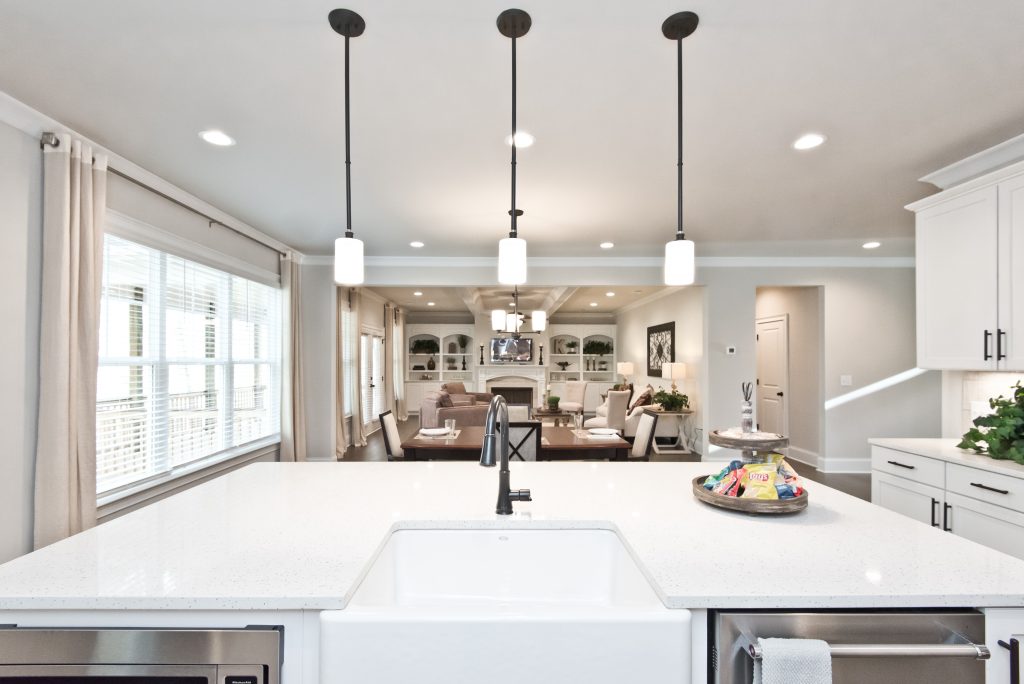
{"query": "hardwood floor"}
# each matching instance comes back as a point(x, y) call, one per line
point(855, 484)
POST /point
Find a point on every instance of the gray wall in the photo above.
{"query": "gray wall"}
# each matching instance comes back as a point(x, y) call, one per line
point(20, 236)
point(319, 326)
point(802, 305)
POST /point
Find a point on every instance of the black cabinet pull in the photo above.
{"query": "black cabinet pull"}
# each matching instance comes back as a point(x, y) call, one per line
point(778, 394)
point(945, 518)
point(1014, 648)
point(1000, 334)
point(935, 506)
point(901, 465)
point(990, 489)
point(988, 336)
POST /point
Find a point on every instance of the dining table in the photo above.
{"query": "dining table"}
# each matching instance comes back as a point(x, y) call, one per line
point(557, 443)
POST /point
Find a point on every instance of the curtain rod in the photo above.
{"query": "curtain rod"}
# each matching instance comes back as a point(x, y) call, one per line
point(53, 140)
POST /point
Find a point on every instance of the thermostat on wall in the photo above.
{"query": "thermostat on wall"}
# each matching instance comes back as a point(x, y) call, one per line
point(730, 350)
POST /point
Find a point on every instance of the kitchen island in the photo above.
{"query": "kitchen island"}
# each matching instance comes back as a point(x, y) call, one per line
point(277, 543)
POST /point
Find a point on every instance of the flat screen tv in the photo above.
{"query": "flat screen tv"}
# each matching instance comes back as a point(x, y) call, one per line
point(507, 349)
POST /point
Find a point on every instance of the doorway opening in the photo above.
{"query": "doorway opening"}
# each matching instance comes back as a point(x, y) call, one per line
point(790, 356)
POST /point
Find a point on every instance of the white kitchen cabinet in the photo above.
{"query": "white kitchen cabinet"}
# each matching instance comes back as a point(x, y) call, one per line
point(985, 523)
point(970, 275)
point(915, 500)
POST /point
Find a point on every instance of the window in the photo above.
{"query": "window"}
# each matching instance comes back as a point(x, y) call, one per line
point(189, 367)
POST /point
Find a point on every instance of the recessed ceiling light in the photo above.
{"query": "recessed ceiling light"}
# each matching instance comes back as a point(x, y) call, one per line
point(416, 243)
point(607, 245)
point(417, 293)
point(871, 245)
point(430, 303)
point(808, 141)
point(523, 139)
point(593, 303)
point(218, 138)
point(609, 294)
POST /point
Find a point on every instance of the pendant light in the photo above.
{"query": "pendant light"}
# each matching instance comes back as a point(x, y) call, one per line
point(505, 322)
point(513, 23)
point(348, 250)
point(679, 255)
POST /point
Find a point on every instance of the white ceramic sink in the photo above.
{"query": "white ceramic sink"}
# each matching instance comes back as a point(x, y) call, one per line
point(504, 605)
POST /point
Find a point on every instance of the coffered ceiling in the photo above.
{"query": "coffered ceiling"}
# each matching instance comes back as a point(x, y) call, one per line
point(560, 300)
point(900, 89)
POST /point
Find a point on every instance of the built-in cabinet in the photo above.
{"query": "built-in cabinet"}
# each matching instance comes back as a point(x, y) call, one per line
point(983, 506)
point(455, 358)
point(568, 359)
point(970, 275)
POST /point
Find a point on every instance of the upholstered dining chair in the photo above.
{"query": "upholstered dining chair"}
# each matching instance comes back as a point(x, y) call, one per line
point(575, 391)
point(392, 442)
point(519, 412)
point(644, 439)
point(618, 402)
point(524, 440)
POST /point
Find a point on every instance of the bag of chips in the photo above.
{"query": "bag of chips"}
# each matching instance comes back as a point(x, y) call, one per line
point(730, 485)
point(759, 481)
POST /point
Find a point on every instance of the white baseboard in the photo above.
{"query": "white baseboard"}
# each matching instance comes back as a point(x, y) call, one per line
point(845, 465)
point(803, 456)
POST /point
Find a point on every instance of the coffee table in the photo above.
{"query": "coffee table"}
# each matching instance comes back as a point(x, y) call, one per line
point(560, 417)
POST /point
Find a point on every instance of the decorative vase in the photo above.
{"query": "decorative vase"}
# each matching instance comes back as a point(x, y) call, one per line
point(747, 416)
point(431, 364)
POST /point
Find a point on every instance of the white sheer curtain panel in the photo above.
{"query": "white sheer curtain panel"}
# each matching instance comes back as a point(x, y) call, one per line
point(293, 408)
point(390, 389)
point(401, 410)
point(74, 211)
point(354, 381)
point(341, 393)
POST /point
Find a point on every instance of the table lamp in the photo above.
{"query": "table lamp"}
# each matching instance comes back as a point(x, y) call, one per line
point(625, 369)
point(673, 371)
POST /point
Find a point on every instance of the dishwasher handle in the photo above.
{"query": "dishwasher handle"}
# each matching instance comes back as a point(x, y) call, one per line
point(969, 650)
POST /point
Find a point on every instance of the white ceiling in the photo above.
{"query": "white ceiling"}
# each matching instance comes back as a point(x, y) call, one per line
point(901, 88)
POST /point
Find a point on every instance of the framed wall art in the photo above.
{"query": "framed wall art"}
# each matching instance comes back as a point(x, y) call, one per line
point(661, 347)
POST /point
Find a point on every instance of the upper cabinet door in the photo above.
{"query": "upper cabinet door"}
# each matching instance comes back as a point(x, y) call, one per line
point(957, 283)
point(1011, 274)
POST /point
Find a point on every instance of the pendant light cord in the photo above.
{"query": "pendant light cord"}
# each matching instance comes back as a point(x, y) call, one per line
point(514, 232)
point(348, 160)
point(679, 120)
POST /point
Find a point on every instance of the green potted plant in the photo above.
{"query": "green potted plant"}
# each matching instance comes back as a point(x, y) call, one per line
point(425, 346)
point(1000, 434)
point(571, 345)
point(553, 403)
point(463, 342)
point(671, 401)
point(597, 348)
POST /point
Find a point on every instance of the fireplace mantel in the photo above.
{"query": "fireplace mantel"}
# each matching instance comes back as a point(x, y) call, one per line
point(534, 375)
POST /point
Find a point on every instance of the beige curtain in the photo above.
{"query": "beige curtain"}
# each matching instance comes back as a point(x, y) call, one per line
point(401, 410)
point(293, 408)
point(341, 395)
point(354, 385)
point(74, 211)
point(390, 389)
point(347, 385)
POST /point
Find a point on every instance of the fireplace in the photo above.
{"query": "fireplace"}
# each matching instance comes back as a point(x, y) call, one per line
point(515, 395)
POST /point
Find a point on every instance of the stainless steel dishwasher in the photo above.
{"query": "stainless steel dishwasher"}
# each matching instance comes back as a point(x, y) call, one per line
point(880, 647)
point(141, 656)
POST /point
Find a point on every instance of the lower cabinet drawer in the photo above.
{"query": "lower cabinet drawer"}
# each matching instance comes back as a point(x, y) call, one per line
point(929, 471)
point(996, 488)
point(993, 526)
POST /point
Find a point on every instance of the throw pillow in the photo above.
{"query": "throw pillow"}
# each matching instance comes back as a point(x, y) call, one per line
point(444, 400)
point(645, 398)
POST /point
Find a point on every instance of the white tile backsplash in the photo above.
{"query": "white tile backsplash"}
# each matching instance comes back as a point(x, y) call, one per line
point(978, 388)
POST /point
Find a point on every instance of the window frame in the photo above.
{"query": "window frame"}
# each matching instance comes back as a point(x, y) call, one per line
point(134, 493)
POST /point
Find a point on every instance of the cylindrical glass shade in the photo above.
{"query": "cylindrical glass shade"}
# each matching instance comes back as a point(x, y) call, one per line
point(348, 261)
point(512, 261)
point(513, 322)
point(679, 263)
point(539, 320)
point(498, 320)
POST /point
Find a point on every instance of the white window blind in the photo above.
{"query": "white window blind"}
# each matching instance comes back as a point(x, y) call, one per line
point(189, 367)
point(371, 376)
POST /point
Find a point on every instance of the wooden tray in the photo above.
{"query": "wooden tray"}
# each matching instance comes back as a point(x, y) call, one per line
point(718, 439)
point(751, 506)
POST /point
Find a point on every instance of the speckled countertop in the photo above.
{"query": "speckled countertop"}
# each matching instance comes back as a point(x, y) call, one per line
point(945, 450)
point(298, 536)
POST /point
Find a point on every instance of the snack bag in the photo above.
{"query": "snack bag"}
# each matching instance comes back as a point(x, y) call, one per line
point(712, 480)
point(759, 481)
point(786, 472)
point(730, 486)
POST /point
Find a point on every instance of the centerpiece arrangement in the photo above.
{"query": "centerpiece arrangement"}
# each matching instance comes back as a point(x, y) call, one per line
point(671, 401)
point(1000, 434)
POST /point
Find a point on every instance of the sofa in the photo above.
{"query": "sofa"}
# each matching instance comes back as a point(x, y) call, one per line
point(436, 407)
point(459, 395)
point(665, 428)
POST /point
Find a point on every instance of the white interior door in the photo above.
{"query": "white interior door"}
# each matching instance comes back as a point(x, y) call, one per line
point(371, 379)
point(773, 374)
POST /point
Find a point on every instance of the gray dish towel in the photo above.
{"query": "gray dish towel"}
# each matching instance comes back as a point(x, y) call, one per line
point(793, 661)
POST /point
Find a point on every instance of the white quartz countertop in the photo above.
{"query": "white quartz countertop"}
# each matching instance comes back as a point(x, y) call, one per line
point(945, 450)
point(298, 536)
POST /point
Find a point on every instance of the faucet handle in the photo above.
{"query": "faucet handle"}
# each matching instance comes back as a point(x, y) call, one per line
point(520, 495)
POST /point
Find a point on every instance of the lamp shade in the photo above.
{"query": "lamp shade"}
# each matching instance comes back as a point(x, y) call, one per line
point(539, 320)
point(673, 371)
point(624, 367)
point(679, 262)
point(513, 322)
point(348, 261)
point(498, 320)
point(512, 261)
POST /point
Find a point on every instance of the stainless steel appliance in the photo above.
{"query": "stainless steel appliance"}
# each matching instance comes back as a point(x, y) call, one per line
point(161, 656)
point(877, 647)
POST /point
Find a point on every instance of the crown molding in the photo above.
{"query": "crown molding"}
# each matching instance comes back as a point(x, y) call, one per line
point(625, 262)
